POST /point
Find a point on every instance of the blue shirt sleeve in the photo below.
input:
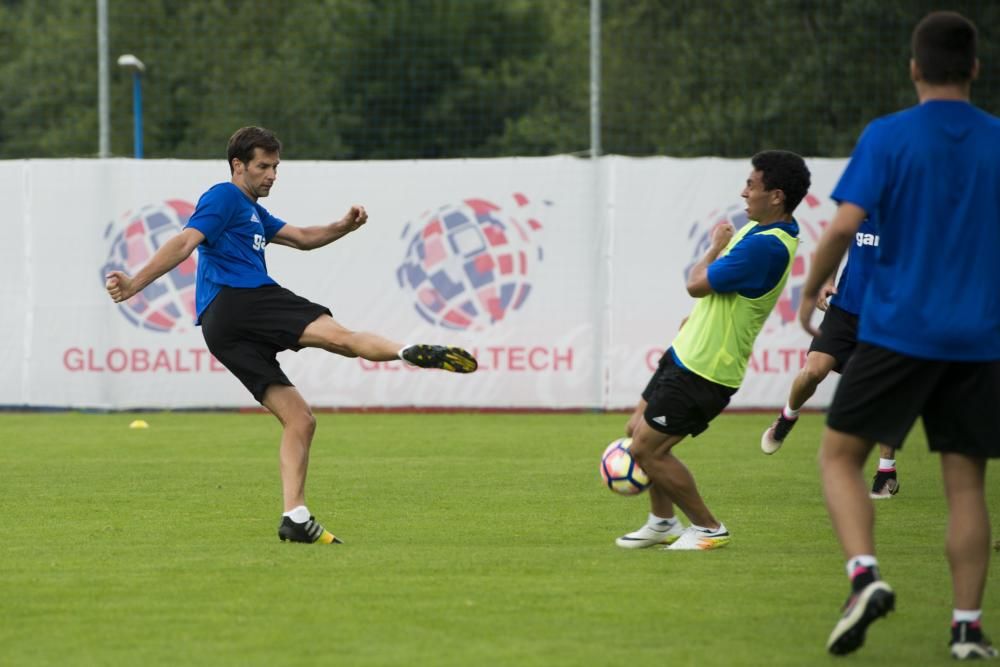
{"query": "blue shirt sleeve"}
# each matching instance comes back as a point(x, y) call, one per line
point(864, 177)
point(752, 267)
point(213, 211)
point(271, 224)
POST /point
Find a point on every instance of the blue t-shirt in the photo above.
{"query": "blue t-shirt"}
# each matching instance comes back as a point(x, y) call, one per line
point(930, 175)
point(754, 265)
point(236, 230)
point(858, 270)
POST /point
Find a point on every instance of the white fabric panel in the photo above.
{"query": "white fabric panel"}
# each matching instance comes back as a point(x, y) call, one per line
point(571, 274)
point(15, 283)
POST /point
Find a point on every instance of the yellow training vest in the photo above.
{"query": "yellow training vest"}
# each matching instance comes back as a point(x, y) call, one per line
point(717, 339)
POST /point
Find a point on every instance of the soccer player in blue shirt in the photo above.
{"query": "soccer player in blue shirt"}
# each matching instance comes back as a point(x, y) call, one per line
point(930, 323)
point(247, 318)
point(832, 349)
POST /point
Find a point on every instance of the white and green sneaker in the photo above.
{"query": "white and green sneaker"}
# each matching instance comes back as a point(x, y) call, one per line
point(701, 539)
point(650, 536)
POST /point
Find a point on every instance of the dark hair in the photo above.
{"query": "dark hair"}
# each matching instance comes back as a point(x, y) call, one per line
point(246, 139)
point(944, 48)
point(785, 171)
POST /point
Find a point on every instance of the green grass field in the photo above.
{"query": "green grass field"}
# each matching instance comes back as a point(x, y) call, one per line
point(470, 540)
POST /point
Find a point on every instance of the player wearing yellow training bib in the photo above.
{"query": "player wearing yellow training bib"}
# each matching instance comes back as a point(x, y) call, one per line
point(737, 283)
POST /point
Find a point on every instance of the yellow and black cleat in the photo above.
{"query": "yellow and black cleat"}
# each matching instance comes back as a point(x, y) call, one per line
point(310, 532)
point(453, 359)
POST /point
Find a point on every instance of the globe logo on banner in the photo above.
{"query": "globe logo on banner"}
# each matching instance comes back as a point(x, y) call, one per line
point(168, 303)
point(468, 265)
point(812, 221)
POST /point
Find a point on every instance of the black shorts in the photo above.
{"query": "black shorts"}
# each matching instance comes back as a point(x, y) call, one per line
point(246, 328)
point(882, 393)
point(838, 336)
point(678, 402)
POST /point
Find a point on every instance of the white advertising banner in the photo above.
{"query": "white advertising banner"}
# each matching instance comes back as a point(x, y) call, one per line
point(565, 276)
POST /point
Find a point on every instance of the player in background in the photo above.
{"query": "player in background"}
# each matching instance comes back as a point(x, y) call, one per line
point(929, 332)
point(737, 283)
point(247, 318)
point(832, 349)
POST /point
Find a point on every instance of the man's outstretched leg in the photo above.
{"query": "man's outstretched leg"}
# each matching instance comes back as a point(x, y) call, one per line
point(298, 427)
point(328, 334)
point(842, 458)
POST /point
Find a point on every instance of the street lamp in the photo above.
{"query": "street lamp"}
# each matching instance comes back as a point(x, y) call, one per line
point(129, 61)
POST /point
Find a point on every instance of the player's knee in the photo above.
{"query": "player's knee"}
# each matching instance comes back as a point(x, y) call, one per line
point(814, 374)
point(304, 422)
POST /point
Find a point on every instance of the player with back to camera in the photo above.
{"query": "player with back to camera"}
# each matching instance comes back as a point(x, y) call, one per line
point(737, 283)
point(247, 318)
point(832, 349)
point(929, 327)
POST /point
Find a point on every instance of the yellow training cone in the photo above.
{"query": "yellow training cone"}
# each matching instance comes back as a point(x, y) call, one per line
point(138, 423)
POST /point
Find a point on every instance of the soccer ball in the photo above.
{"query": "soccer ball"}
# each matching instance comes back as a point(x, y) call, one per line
point(620, 471)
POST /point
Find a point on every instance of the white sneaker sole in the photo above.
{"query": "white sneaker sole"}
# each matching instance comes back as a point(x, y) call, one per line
point(642, 544)
point(667, 538)
point(768, 445)
point(874, 602)
point(972, 651)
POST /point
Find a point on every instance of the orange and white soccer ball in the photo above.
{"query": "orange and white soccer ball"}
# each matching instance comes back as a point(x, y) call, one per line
point(619, 470)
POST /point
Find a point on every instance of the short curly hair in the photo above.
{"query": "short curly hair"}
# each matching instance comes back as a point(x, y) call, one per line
point(785, 171)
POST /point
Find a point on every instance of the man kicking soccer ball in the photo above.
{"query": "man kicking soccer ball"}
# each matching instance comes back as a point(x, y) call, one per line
point(737, 283)
point(247, 318)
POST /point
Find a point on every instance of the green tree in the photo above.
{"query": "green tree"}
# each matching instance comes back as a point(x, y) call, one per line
point(48, 79)
point(386, 79)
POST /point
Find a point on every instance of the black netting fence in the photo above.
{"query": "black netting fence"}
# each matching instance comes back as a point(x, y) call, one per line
point(403, 79)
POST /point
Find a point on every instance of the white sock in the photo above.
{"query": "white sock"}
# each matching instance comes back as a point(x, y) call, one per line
point(659, 522)
point(887, 464)
point(864, 560)
point(720, 529)
point(789, 413)
point(298, 514)
point(966, 615)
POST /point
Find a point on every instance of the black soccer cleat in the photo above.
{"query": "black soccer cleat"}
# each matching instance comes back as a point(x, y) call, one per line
point(885, 484)
point(969, 643)
point(864, 607)
point(310, 532)
point(447, 358)
point(776, 433)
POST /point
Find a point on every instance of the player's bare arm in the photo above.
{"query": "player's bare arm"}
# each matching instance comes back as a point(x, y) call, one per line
point(123, 287)
point(830, 251)
point(309, 238)
point(697, 284)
